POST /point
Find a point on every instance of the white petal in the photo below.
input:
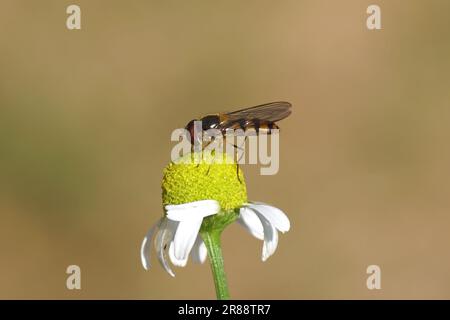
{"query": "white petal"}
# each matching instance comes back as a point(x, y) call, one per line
point(270, 236)
point(250, 221)
point(176, 262)
point(199, 251)
point(163, 238)
point(275, 216)
point(192, 210)
point(146, 244)
point(185, 236)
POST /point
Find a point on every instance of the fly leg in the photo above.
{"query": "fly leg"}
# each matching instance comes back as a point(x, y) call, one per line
point(241, 148)
point(237, 162)
point(204, 147)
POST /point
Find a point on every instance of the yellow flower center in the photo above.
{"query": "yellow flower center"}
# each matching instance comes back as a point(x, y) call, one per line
point(210, 178)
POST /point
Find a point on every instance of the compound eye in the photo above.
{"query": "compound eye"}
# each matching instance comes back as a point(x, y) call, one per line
point(190, 125)
point(190, 128)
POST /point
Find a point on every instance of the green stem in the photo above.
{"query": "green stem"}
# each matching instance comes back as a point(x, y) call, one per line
point(212, 242)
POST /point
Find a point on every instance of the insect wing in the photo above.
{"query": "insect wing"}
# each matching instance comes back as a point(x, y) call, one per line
point(270, 112)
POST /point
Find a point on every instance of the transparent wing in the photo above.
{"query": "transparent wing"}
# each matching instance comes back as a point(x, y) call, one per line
point(274, 111)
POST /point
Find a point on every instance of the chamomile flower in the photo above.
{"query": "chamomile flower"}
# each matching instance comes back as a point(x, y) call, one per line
point(199, 201)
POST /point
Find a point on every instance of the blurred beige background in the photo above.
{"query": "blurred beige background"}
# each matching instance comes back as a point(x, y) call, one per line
point(86, 117)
